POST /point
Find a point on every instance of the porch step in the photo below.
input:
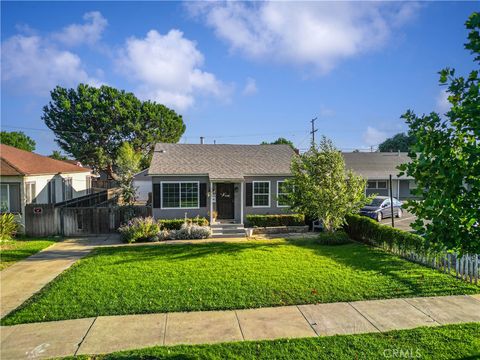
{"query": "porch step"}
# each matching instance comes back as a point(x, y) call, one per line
point(227, 230)
point(217, 236)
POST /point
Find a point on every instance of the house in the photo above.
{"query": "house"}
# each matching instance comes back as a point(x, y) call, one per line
point(230, 180)
point(27, 178)
point(142, 182)
point(376, 168)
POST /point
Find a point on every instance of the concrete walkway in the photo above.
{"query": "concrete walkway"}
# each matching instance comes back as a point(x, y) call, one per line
point(26, 277)
point(106, 334)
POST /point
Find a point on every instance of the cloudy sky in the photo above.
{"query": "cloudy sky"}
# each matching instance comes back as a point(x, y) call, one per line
point(238, 72)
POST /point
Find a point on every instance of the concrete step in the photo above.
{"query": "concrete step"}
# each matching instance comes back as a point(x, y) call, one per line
point(228, 231)
point(216, 236)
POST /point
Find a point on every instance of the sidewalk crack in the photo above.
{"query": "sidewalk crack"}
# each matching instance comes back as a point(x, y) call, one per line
point(239, 326)
point(423, 312)
point(301, 312)
point(83, 339)
point(165, 329)
point(362, 315)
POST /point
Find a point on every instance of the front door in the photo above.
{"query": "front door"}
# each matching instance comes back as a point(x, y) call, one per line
point(225, 201)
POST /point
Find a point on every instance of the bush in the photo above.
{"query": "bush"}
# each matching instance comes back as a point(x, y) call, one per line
point(186, 232)
point(335, 238)
point(275, 220)
point(176, 224)
point(9, 226)
point(139, 230)
point(368, 231)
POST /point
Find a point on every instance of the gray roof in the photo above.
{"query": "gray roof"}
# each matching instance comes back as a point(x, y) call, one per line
point(376, 165)
point(219, 161)
point(142, 175)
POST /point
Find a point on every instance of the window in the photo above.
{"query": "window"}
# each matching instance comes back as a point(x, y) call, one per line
point(30, 192)
point(10, 198)
point(374, 184)
point(180, 195)
point(282, 193)
point(412, 184)
point(67, 189)
point(52, 196)
point(4, 199)
point(261, 194)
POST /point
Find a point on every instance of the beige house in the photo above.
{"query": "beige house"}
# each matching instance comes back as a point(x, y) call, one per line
point(27, 178)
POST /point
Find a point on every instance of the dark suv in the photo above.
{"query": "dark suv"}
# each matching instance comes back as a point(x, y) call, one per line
point(379, 208)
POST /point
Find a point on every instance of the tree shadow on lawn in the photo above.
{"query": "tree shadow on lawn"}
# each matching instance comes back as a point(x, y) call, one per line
point(416, 277)
point(182, 252)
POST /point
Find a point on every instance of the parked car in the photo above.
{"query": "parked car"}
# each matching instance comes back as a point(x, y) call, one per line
point(379, 208)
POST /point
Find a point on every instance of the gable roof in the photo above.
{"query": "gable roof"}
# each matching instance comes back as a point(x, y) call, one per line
point(20, 162)
point(376, 165)
point(221, 161)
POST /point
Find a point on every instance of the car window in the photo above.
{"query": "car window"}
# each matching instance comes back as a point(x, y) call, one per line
point(376, 202)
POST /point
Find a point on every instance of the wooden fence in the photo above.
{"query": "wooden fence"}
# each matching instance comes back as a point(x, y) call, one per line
point(48, 220)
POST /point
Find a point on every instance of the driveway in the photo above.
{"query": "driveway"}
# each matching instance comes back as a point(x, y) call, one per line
point(403, 223)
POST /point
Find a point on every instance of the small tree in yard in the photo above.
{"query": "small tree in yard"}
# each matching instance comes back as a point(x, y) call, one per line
point(322, 187)
point(446, 161)
point(128, 164)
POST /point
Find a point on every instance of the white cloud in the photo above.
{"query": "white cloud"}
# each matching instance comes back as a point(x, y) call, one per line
point(88, 33)
point(168, 69)
point(250, 87)
point(35, 64)
point(319, 34)
point(443, 105)
point(373, 136)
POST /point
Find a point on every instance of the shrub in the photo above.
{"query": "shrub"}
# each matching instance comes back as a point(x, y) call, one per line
point(333, 238)
point(9, 226)
point(176, 224)
point(139, 230)
point(192, 231)
point(275, 220)
point(366, 230)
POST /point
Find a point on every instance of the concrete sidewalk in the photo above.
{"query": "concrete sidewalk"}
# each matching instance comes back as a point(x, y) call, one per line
point(106, 334)
point(26, 277)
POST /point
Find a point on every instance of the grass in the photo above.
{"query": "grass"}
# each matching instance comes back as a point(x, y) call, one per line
point(440, 343)
point(15, 250)
point(166, 278)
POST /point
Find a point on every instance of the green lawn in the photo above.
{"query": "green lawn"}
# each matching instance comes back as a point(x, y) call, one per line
point(12, 251)
point(440, 343)
point(165, 278)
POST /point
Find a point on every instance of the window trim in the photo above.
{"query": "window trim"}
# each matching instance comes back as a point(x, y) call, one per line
point(180, 195)
point(52, 193)
point(278, 194)
point(269, 192)
point(66, 188)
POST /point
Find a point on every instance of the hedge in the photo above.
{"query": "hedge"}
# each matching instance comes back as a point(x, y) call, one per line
point(275, 220)
point(176, 224)
point(369, 231)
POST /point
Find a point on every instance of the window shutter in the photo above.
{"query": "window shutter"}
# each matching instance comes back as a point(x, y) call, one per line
point(248, 194)
point(203, 195)
point(156, 196)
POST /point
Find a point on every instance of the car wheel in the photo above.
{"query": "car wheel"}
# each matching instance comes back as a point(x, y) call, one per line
point(379, 216)
point(399, 213)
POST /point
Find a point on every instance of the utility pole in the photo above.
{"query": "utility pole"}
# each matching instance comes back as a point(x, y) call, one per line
point(313, 130)
point(391, 201)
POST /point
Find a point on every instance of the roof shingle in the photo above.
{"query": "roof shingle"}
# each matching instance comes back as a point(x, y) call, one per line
point(220, 161)
point(20, 162)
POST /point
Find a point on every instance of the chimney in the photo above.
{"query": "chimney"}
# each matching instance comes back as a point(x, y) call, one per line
point(201, 139)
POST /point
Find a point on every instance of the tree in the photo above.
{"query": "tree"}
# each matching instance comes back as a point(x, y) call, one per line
point(57, 155)
point(446, 161)
point(90, 124)
point(128, 164)
point(399, 142)
point(322, 187)
point(279, 141)
point(17, 139)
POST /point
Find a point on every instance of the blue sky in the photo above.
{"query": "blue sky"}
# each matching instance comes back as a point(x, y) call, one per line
point(239, 72)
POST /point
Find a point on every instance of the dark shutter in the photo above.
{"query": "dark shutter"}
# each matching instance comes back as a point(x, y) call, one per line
point(203, 195)
point(156, 196)
point(248, 194)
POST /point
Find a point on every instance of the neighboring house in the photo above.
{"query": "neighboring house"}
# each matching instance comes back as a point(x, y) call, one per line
point(142, 183)
point(376, 168)
point(26, 178)
point(232, 180)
